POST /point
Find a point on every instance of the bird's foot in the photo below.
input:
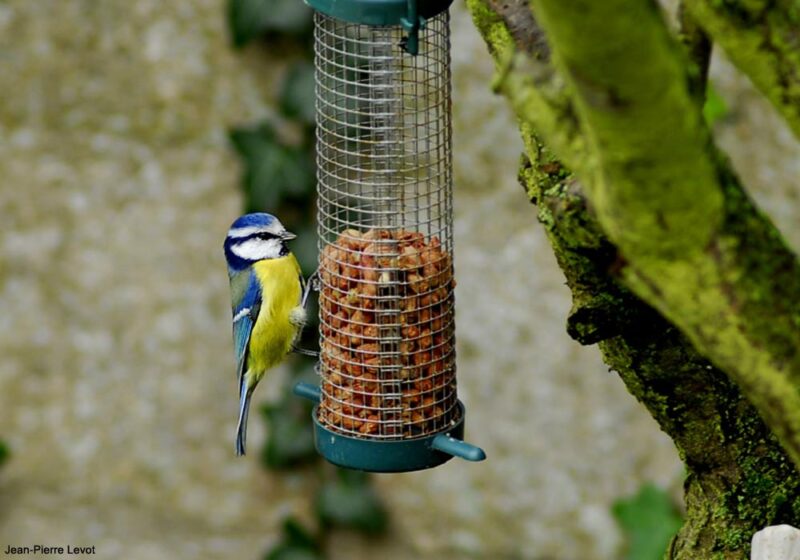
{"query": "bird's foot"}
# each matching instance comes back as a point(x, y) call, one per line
point(306, 352)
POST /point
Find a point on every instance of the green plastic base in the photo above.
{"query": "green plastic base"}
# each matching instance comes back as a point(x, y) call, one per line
point(380, 456)
point(376, 12)
point(393, 456)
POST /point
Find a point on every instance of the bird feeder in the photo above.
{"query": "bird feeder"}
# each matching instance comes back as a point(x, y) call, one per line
point(387, 398)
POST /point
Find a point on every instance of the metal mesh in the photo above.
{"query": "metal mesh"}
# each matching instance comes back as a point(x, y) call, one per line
point(385, 230)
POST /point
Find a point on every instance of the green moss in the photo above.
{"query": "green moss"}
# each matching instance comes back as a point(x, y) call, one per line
point(762, 43)
point(492, 28)
point(736, 539)
point(655, 191)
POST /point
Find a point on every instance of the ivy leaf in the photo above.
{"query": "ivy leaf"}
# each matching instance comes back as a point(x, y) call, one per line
point(305, 247)
point(290, 435)
point(246, 19)
point(284, 552)
point(297, 544)
point(715, 107)
point(274, 170)
point(350, 501)
point(288, 16)
point(5, 453)
point(249, 18)
point(649, 521)
point(290, 439)
point(297, 93)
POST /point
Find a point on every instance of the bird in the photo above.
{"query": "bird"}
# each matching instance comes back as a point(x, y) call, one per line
point(268, 294)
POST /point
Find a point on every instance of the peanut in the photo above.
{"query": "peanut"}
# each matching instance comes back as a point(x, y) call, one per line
point(362, 369)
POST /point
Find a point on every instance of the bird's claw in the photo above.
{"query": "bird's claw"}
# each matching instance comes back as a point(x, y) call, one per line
point(305, 352)
point(311, 284)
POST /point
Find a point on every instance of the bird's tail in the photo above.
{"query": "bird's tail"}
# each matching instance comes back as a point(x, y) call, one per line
point(244, 409)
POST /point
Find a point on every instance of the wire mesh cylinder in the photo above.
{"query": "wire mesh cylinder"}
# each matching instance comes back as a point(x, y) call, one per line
point(385, 230)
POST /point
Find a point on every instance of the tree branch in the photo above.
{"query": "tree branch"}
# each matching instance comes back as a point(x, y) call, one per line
point(762, 38)
point(695, 246)
point(698, 47)
point(526, 77)
point(740, 477)
point(736, 297)
point(655, 191)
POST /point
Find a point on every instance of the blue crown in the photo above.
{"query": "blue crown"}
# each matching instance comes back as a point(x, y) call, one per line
point(257, 219)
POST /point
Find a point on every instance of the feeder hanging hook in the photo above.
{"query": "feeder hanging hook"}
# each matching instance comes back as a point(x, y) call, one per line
point(412, 23)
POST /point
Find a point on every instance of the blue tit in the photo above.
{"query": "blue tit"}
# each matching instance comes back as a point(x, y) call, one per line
point(267, 290)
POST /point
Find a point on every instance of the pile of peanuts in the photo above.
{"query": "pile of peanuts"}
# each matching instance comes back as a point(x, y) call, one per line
point(386, 306)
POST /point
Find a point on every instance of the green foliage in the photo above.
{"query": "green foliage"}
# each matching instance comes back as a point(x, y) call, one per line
point(351, 502)
point(297, 94)
point(297, 544)
point(715, 107)
point(291, 441)
point(649, 520)
point(274, 170)
point(5, 453)
point(305, 249)
point(247, 19)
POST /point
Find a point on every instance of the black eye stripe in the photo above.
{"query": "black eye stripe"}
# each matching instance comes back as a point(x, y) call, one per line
point(265, 235)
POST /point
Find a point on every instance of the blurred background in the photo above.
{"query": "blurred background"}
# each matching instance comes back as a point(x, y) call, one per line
point(132, 133)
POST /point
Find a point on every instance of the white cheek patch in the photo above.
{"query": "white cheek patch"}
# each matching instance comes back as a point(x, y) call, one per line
point(257, 249)
point(250, 250)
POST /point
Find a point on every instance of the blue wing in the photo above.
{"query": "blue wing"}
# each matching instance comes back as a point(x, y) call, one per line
point(245, 313)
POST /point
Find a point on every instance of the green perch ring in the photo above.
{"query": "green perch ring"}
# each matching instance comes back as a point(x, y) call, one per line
point(389, 456)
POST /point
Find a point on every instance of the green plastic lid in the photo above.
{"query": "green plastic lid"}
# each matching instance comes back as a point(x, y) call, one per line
point(377, 12)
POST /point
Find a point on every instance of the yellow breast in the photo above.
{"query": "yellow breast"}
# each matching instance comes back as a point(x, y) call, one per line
point(274, 333)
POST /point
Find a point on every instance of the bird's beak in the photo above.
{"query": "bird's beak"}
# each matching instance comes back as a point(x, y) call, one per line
point(287, 235)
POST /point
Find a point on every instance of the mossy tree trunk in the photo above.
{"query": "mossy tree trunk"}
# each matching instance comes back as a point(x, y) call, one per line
point(691, 293)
